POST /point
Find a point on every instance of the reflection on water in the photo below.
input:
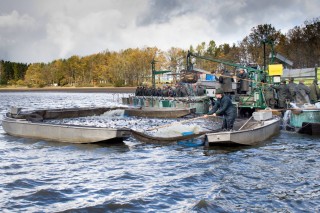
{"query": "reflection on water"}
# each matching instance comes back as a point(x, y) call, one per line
point(279, 175)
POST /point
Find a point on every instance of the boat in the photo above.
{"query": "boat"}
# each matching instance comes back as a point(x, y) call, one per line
point(149, 139)
point(304, 119)
point(173, 133)
point(253, 131)
point(310, 128)
point(200, 104)
point(156, 112)
point(298, 116)
point(31, 125)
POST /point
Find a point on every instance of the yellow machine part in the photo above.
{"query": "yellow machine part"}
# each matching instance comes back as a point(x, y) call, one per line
point(275, 69)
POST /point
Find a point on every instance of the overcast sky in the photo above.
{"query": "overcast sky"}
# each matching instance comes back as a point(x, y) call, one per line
point(44, 30)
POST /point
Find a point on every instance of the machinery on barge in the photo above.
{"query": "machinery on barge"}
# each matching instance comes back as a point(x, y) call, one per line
point(192, 79)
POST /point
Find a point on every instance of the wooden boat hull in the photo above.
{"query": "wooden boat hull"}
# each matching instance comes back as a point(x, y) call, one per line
point(29, 125)
point(250, 136)
point(155, 112)
point(310, 128)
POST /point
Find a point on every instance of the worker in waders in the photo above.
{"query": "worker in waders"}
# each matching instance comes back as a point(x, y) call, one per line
point(224, 107)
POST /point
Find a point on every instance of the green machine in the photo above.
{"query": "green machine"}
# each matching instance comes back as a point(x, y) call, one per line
point(154, 73)
point(258, 79)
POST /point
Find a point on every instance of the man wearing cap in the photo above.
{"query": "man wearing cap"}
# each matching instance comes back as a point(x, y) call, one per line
point(269, 96)
point(283, 94)
point(224, 107)
point(242, 77)
point(226, 83)
point(302, 93)
point(314, 92)
point(292, 88)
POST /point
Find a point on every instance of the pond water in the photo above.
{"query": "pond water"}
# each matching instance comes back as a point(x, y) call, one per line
point(279, 175)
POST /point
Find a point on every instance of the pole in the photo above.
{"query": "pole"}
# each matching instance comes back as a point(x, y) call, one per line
point(153, 69)
point(264, 55)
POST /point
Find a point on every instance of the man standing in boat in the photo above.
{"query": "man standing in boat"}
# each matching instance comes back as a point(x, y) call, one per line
point(224, 107)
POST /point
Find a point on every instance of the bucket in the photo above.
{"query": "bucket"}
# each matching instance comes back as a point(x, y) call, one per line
point(125, 101)
point(201, 107)
point(135, 101)
point(141, 102)
point(131, 100)
point(156, 103)
point(165, 103)
point(147, 102)
point(179, 104)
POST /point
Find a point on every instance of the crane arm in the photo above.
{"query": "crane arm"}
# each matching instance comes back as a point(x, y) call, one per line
point(249, 69)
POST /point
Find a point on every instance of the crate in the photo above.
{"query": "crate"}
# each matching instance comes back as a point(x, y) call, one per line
point(262, 115)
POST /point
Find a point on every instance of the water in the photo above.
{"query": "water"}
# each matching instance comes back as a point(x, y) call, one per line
point(280, 175)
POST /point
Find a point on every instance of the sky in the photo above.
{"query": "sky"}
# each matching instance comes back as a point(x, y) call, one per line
point(44, 30)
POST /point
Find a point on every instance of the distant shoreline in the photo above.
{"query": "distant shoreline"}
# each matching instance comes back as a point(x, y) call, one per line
point(73, 89)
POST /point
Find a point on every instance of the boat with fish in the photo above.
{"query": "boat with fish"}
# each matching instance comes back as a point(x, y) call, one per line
point(261, 126)
point(31, 124)
point(178, 132)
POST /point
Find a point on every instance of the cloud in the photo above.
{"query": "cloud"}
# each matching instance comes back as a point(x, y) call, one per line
point(44, 30)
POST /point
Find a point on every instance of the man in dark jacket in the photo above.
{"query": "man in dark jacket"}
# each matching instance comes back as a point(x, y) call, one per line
point(314, 92)
point(283, 94)
point(302, 93)
point(224, 107)
point(226, 83)
point(269, 96)
point(292, 88)
point(243, 81)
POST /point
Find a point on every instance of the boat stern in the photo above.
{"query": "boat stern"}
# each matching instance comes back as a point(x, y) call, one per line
point(218, 138)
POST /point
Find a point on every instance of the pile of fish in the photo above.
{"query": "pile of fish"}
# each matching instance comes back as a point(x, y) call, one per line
point(157, 126)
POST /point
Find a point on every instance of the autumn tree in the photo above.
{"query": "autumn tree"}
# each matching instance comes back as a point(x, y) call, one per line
point(35, 75)
point(260, 43)
point(176, 59)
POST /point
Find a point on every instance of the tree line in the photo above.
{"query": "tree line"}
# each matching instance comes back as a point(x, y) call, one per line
point(132, 67)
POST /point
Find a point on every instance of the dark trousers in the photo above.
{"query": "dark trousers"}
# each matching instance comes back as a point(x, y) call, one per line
point(228, 122)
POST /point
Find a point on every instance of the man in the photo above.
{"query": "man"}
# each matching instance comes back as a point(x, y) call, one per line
point(314, 92)
point(224, 107)
point(226, 83)
point(283, 94)
point(292, 88)
point(302, 93)
point(269, 96)
point(243, 82)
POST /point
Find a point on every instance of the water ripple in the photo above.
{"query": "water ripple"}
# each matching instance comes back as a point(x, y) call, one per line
point(279, 175)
